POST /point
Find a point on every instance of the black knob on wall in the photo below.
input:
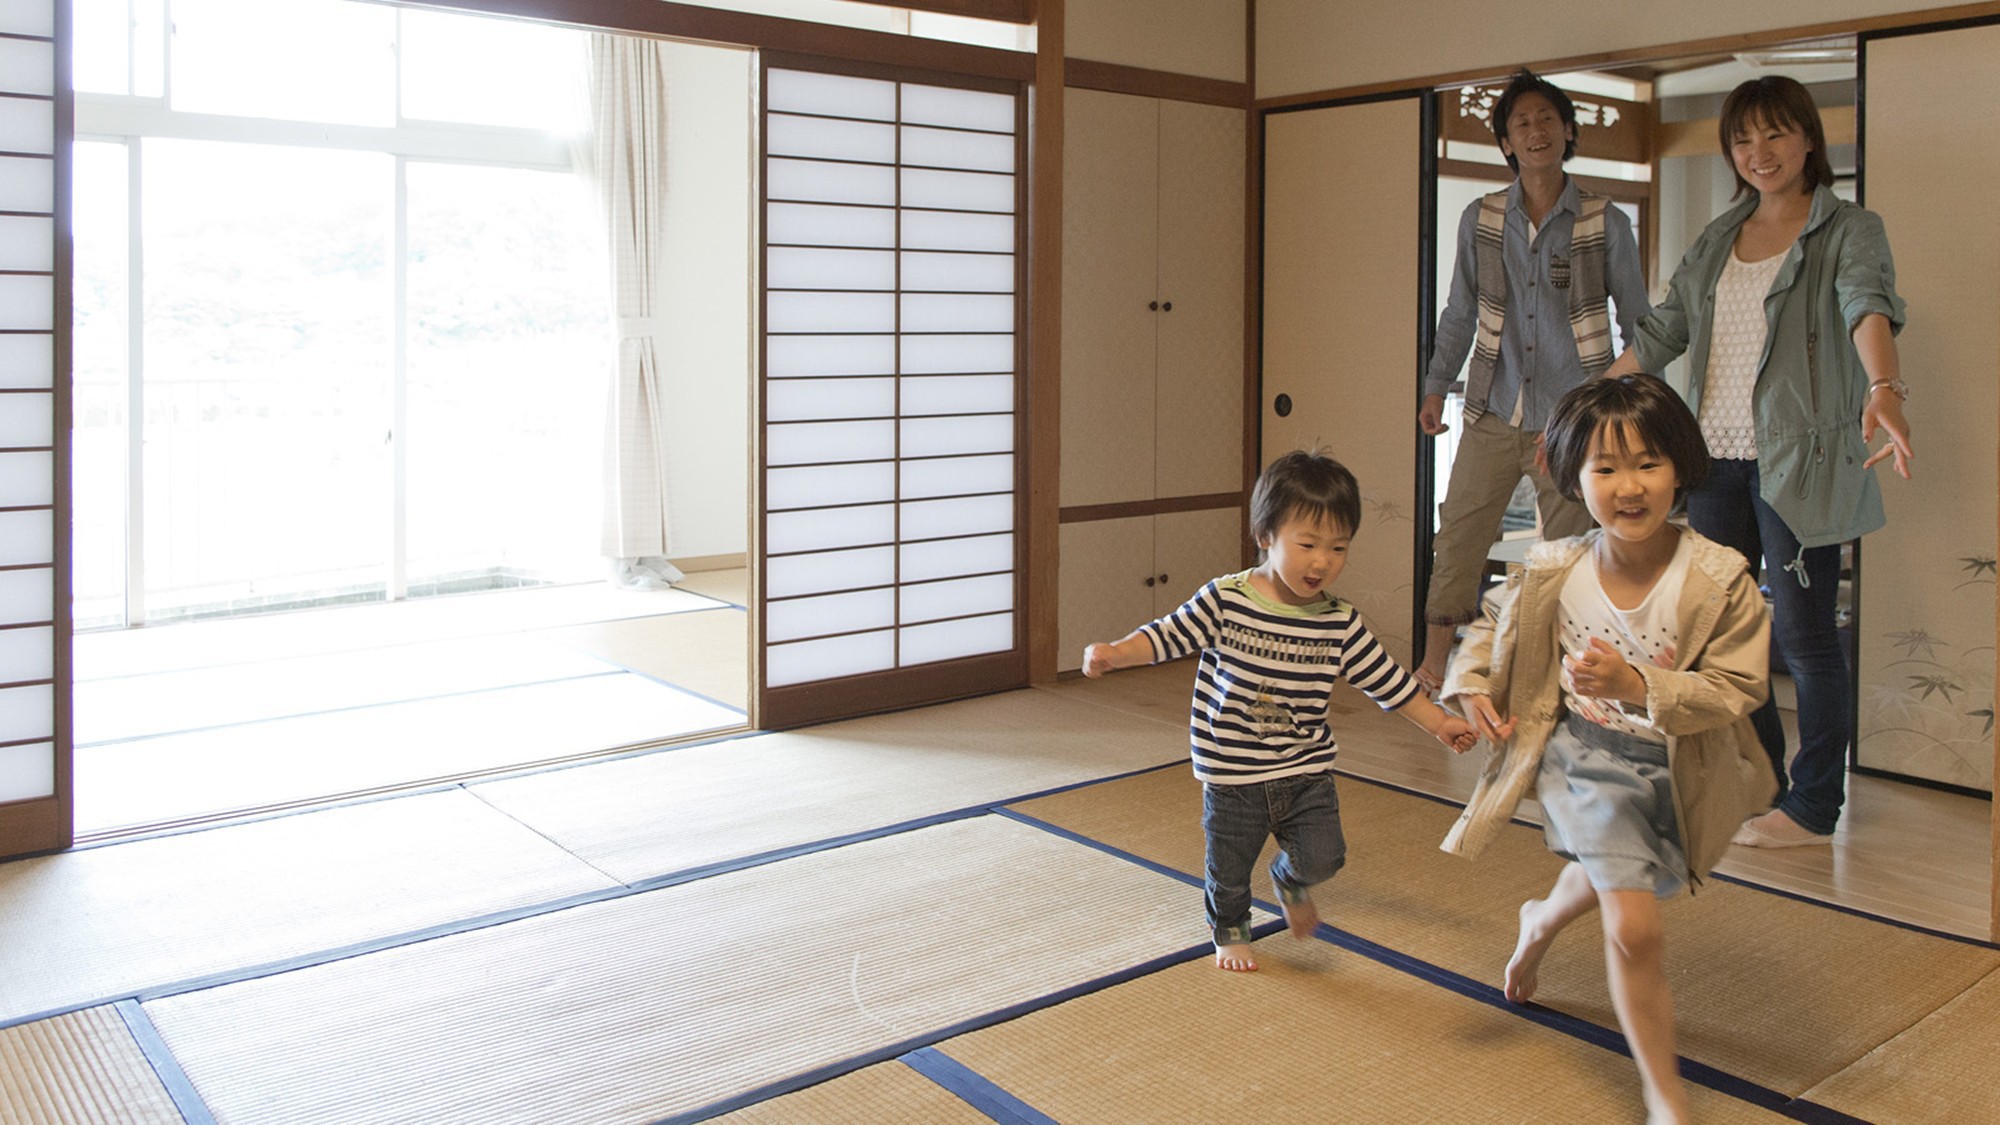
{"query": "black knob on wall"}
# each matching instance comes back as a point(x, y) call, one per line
point(1282, 404)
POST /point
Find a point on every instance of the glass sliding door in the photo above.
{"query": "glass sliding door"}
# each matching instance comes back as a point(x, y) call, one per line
point(890, 551)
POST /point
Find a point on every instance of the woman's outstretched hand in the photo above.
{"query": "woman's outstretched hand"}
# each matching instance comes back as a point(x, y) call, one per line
point(1884, 411)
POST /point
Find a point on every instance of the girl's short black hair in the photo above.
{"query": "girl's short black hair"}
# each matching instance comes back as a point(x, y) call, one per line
point(1645, 405)
point(1526, 81)
point(1308, 484)
point(1777, 101)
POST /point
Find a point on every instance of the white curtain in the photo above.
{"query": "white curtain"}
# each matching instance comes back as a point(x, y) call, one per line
point(627, 160)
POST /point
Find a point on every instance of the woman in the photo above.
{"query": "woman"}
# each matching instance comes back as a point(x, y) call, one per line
point(1787, 308)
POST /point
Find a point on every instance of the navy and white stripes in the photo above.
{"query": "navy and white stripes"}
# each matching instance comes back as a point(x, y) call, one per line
point(1266, 674)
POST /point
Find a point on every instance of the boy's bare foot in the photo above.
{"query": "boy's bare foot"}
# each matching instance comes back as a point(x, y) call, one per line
point(1235, 958)
point(1521, 970)
point(1301, 917)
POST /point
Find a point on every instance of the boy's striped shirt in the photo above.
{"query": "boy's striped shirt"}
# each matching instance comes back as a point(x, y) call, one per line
point(1266, 676)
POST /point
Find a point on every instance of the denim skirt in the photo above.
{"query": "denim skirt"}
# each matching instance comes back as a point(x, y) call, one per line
point(1607, 803)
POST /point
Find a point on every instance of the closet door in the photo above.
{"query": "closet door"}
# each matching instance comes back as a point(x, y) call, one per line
point(1111, 211)
point(1342, 192)
point(1924, 664)
point(891, 490)
point(35, 799)
point(1198, 416)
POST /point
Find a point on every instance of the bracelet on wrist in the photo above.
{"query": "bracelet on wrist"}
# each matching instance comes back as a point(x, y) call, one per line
point(1900, 388)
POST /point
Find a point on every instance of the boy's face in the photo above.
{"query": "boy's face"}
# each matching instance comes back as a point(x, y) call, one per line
point(1536, 135)
point(1304, 557)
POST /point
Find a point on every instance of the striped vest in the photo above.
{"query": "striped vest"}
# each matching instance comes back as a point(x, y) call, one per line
point(1589, 312)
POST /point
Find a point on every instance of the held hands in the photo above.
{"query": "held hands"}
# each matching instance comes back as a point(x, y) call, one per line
point(1430, 416)
point(1884, 411)
point(1486, 721)
point(1456, 733)
point(1603, 674)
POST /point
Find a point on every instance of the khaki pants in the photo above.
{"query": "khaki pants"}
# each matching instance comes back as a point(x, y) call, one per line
point(1492, 458)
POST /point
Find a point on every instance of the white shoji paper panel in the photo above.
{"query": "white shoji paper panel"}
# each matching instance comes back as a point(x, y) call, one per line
point(805, 661)
point(801, 618)
point(957, 476)
point(797, 575)
point(820, 485)
point(950, 640)
point(949, 558)
point(930, 601)
point(826, 529)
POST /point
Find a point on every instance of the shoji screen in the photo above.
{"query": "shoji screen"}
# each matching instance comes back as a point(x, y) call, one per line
point(34, 619)
point(892, 308)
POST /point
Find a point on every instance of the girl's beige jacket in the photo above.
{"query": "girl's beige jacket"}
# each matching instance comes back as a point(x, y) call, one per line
point(1721, 774)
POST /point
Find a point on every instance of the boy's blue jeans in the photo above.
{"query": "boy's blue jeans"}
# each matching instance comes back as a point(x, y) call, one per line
point(1303, 812)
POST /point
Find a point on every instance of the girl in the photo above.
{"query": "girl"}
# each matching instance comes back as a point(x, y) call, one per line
point(1787, 308)
point(1617, 672)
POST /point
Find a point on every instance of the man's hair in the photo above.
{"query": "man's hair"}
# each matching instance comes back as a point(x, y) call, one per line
point(1645, 406)
point(1526, 81)
point(1778, 101)
point(1306, 484)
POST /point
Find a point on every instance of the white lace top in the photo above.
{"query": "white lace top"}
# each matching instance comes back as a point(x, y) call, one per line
point(1728, 422)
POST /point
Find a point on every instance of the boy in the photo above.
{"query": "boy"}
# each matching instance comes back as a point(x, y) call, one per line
point(1273, 640)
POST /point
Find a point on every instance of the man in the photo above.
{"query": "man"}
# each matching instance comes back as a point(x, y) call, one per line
point(1536, 264)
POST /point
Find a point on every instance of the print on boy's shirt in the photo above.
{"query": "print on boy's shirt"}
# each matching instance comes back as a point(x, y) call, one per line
point(1277, 648)
point(1271, 716)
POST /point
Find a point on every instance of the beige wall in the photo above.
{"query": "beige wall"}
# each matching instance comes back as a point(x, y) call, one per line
point(1310, 45)
point(1205, 38)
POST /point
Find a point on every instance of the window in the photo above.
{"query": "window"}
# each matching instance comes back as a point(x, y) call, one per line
point(340, 312)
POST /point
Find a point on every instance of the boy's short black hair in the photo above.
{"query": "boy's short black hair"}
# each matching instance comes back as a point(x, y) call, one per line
point(1526, 81)
point(1778, 101)
point(1305, 483)
point(1647, 406)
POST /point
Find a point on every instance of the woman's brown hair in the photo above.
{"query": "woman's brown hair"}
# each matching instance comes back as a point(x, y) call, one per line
point(1778, 101)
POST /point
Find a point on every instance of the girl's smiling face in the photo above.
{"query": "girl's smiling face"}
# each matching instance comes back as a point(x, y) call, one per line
point(1303, 557)
point(1628, 488)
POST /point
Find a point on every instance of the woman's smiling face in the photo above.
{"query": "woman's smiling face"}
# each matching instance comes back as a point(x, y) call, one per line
point(1771, 158)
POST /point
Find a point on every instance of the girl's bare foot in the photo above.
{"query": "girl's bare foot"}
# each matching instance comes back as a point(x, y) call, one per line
point(1235, 958)
point(1527, 953)
point(1301, 917)
point(1667, 1107)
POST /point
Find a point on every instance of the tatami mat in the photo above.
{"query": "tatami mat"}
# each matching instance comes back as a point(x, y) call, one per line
point(101, 654)
point(1779, 992)
point(81, 1067)
point(706, 652)
point(99, 923)
point(887, 1093)
point(221, 695)
point(1941, 1070)
point(682, 809)
point(1316, 1034)
point(664, 1002)
point(161, 780)
point(732, 586)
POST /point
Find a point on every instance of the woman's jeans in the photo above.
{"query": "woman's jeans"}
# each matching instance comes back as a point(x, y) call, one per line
point(1804, 589)
point(1302, 811)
